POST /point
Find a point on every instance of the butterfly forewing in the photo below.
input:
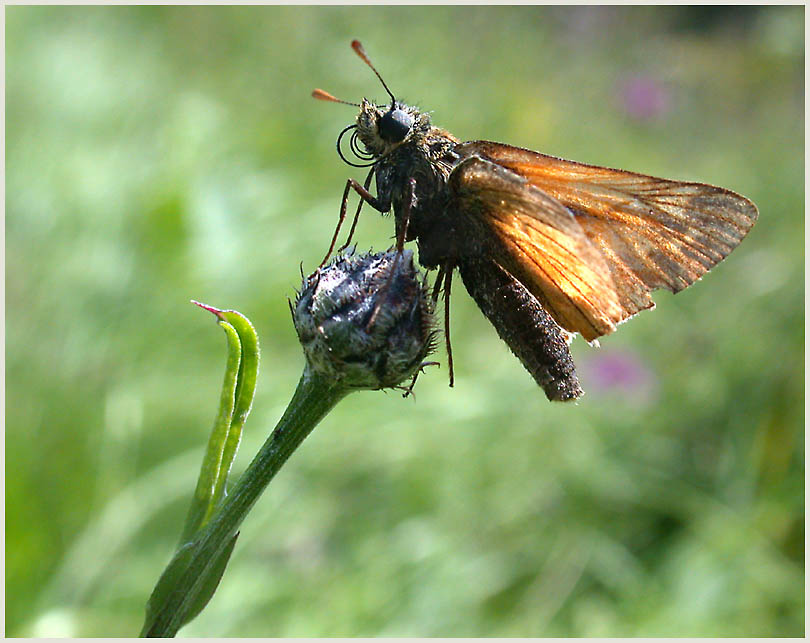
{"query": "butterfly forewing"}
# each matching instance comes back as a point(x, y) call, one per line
point(650, 233)
point(539, 242)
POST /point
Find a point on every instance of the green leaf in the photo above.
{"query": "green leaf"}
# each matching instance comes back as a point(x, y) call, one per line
point(236, 400)
point(169, 582)
point(191, 578)
point(245, 390)
point(205, 495)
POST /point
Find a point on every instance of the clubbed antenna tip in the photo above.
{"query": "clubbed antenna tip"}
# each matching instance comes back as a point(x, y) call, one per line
point(358, 49)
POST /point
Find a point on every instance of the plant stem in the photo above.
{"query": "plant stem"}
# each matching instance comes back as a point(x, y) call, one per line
point(313, 399)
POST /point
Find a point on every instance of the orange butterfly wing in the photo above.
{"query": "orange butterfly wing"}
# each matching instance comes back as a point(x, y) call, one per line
point(635, 233)
point(539, 242)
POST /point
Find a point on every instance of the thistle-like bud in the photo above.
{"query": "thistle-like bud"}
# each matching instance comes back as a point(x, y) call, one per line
point(365, 320)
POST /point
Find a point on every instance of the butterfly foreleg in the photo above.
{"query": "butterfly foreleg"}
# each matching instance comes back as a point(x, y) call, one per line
point(365, 196)
point(400, 247)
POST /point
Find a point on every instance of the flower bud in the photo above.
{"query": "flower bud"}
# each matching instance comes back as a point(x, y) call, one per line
point(365, 320)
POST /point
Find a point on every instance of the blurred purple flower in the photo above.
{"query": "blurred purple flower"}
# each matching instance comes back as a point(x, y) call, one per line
point(620, 373)
point(643, 98)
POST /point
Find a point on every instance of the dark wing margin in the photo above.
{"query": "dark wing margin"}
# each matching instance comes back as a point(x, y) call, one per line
point(652, 233)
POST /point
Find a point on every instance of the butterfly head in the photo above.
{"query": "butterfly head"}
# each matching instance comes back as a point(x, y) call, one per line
point(379, 129)
point(383, 128)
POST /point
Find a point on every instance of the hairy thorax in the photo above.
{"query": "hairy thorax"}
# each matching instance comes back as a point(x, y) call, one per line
point(427, 158)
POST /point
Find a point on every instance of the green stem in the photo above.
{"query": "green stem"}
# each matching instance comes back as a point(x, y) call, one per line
point(313, 399)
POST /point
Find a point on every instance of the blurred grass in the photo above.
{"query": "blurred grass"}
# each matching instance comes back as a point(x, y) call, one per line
point(158, 154)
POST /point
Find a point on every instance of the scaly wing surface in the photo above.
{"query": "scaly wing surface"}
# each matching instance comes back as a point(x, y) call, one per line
point(644, 232)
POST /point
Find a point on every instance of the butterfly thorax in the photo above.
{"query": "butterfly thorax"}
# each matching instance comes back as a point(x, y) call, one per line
point(426, 161)
point(408, 149)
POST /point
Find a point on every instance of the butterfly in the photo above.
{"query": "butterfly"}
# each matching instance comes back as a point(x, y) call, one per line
point(546, 247)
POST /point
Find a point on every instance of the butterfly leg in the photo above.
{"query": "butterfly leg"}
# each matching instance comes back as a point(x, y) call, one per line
point(366, 185)
point(401, 234)
point(448, 279)
point(443, 279)
point(437, 285)
point(366, 196)
point(408, 390)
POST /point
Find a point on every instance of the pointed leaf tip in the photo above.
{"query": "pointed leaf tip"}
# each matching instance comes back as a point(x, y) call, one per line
point(210, 309)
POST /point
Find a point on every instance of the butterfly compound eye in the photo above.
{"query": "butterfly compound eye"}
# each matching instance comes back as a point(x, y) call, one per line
point(395, 125)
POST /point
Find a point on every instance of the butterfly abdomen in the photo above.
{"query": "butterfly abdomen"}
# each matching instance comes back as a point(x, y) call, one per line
point(529, 331)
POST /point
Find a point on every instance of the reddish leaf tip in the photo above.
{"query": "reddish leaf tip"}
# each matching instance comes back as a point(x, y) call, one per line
point(210, 309)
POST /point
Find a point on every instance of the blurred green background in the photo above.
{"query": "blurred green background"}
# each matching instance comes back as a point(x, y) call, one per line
point(156, 154)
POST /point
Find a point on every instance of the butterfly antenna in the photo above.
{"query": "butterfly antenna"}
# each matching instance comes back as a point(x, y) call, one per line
point(322, 95)
point(358, 49)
